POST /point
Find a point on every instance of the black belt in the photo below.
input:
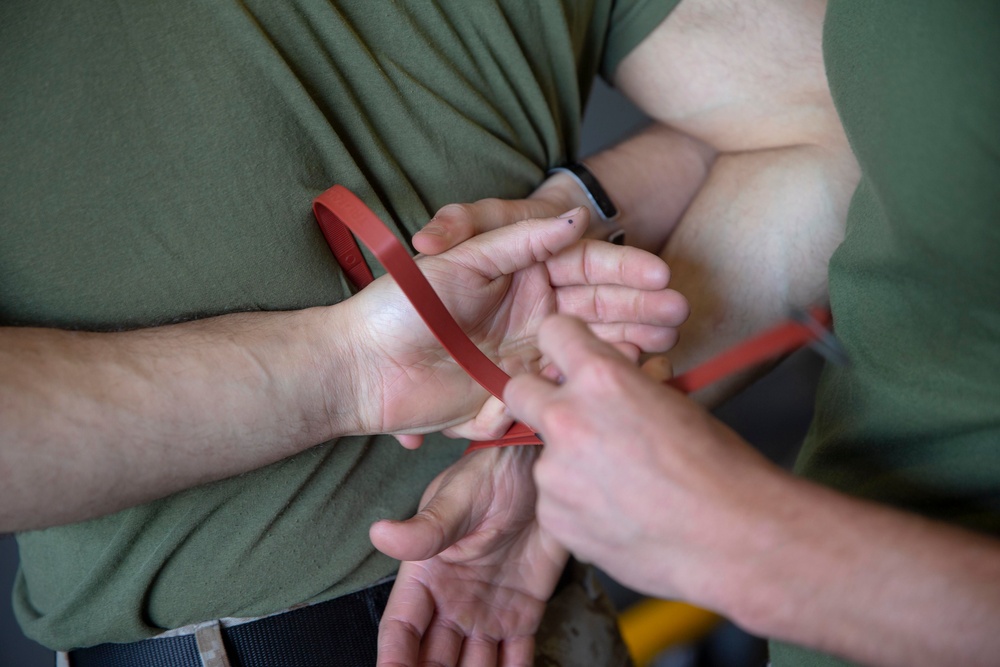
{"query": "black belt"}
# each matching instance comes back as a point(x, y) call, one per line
point(339, 633)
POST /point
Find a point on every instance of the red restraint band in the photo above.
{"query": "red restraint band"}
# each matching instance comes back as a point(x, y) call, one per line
point(339, 212)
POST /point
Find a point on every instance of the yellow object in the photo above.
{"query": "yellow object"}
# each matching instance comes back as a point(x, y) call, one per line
point(652, 626)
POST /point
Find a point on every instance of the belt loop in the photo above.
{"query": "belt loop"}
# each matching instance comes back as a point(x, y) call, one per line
point(62, 659)
point(210, 646)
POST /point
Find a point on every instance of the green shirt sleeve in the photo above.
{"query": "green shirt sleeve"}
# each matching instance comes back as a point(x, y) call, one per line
point(631, 22)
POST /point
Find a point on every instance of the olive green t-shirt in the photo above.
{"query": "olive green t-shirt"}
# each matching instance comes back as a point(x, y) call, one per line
point(914, 421)
point(158, 164)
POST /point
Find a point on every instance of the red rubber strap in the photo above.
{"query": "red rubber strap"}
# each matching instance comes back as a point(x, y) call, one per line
point(343, 245)
point(775, 342)
point(339, 212)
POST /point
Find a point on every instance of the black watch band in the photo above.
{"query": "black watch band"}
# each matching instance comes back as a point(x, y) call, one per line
point(592, 187)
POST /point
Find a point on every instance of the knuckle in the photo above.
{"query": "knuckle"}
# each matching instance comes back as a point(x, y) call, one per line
point(491, 208)
point(562, 418)
point(454, 211)
point(608, 375)
point(680, 306)
point(598, 305)
point(494, 428)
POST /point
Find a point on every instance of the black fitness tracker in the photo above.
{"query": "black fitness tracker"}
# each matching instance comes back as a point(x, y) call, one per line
point(601, 203)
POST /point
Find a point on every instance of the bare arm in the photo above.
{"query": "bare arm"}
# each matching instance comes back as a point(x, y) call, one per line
point(781, 556)
point(748, 80)
point(904, 590)
point(677, 505)
point(745, 174)
point(95, 422)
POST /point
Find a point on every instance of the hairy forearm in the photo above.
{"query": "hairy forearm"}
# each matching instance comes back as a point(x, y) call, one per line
point(95, 422)
point(862, 581)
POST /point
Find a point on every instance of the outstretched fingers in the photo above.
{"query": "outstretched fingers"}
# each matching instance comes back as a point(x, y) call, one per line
point(592, 262)
point(407, 615)
point(621, 292)
point(442, 644)
point(614, 303)
point(645, 337)
point(517, 652)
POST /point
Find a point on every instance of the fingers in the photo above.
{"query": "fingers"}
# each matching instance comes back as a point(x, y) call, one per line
point(407, 614)
point(658, 368)
point(527, 396)
point(630, 306)
point(442, 645)
point(456, 223)
point(509, 249)
point(647, 338)
point(615, 303)
point(517, 652)
point(409, 440)
point(438, 525)
point(549, 371)
point(401, 642)
point(478, 651)
point(491, 422)
point(593, 262)
point(569, 345)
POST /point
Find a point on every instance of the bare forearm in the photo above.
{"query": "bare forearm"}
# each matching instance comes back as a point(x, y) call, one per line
point(756, 242)
point(94, 422)
point(865, 582)
point(748, 80)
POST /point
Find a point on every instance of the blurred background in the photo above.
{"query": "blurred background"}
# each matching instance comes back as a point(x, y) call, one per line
point(773, 415)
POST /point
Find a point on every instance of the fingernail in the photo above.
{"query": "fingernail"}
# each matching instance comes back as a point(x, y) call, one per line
point(433, 229)
point(570, 214)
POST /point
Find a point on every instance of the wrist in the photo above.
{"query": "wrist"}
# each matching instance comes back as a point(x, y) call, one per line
point(560, 193)
point(772, 543)
point(343, 367)
point(574, 186)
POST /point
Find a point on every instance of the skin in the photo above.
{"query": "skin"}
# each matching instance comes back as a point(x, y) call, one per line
point(778, 555)
point(473, 595)
point(747, 139)
point(117, 419)
point(736, 534)
point(758, 177)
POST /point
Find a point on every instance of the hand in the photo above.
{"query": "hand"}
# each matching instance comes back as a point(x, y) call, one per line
point(634, 476)
point(455, 223)
point(477, 569)
point(499, 286)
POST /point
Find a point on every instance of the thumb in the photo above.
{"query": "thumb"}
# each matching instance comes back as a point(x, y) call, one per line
point(509, 249)
point(438, 525)
point(659, 368)
point(456, 223)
